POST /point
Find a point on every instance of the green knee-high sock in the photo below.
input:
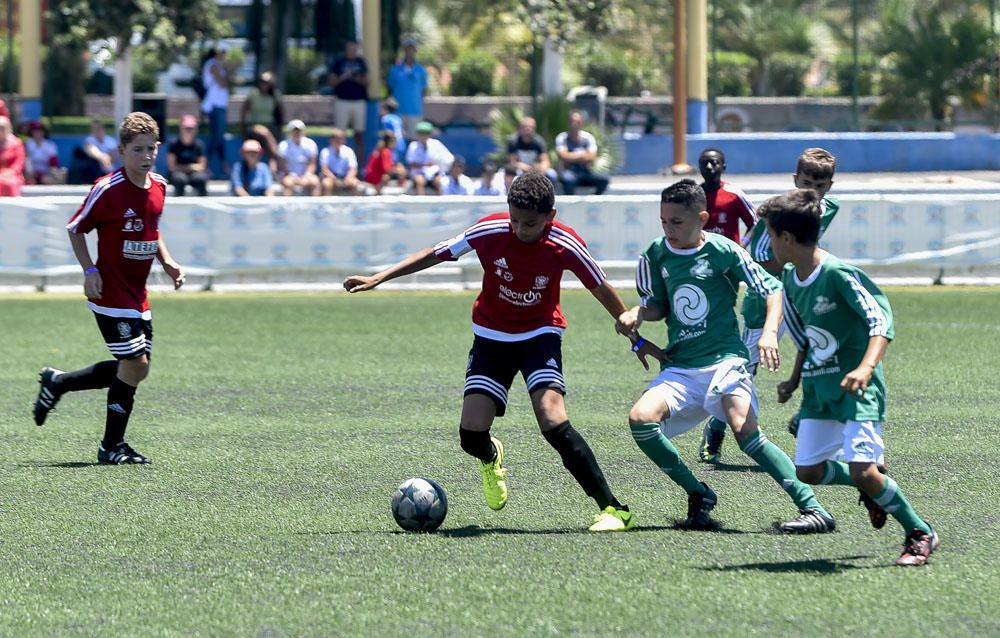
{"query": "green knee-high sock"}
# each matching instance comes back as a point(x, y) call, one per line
point(777, 464)
point(662, 452)
point(892, 501)
point(837, 473)
point(717, 425)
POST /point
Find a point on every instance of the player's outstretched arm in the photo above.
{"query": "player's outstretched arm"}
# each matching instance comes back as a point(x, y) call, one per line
point(171, 267)
point(612, 302)
point(93, 285)
point(857, 379)
point(787, 388)
point(416, 262)
point(768, 343)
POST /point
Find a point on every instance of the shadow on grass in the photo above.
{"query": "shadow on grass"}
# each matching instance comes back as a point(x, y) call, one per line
point(812, 565)
point(733, 467)
point(72, 465)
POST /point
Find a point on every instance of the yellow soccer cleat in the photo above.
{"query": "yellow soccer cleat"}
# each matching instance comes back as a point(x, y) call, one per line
point(613, 520)
point(494, 485)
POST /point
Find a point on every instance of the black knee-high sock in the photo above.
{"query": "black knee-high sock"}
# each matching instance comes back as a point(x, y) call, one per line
point(477, 444)
point(121, 397)
point(578, 458)
point(94, 377)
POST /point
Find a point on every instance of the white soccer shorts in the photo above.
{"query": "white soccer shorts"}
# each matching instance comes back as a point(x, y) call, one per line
point(821, 440)
point(694, 394)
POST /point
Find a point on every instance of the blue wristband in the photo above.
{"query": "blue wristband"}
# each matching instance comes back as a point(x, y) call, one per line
point(638, 344)
point(90, 271)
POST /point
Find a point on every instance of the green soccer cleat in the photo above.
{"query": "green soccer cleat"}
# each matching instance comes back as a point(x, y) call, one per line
point(612, 520)
point(494, 485)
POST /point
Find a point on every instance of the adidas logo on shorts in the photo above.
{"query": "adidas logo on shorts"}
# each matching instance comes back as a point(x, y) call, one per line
point(552, 363)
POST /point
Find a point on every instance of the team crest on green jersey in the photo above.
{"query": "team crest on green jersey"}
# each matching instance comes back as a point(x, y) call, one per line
point(823, 305)
point(822, 348)
point(702, 269)
point(690, 305)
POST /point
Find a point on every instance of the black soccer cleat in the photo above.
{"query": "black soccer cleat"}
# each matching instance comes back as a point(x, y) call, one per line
point(876, 515)
point(48, 396)
point(700, 507)
point(809, 522)
point(121, 454)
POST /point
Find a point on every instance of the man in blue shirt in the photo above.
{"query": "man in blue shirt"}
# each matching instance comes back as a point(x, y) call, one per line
point(408, 84)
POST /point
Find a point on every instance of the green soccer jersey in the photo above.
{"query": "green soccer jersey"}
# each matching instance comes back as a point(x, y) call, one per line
point(754, 307)
point(832, 315)
point(696, 289)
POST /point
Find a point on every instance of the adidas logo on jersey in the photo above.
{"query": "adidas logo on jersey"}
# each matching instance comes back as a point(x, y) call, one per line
point(129, 213)
point(823, 306)
point(502, 262)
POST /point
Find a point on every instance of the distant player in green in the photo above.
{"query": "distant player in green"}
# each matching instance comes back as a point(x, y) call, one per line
point(814, 170)
point(690, 278)
point(842, 325)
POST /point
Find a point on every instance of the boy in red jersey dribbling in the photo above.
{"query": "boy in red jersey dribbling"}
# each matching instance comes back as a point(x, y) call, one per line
point(124, 207)
point(518, 326)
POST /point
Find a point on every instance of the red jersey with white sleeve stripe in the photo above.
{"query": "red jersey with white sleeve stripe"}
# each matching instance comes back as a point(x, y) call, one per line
point(127, 219)
point(520, 296)
point(726, 207)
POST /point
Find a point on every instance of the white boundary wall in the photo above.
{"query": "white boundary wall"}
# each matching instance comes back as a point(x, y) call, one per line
point(264, 240)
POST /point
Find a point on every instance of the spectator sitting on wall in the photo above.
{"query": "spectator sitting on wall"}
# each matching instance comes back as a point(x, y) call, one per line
point(527, 150)
point(42, 165)
point(390, 121)
point(407, 82)
point(97, 155)
point(186, 161)
point(577, 150)
point(263, 107)
point(11, 160)
point(338, 166)
point(382, 166)
point(299, 154)
point(428, 160)
point(457, 182)
point(349, 80)
point(490, 182)
point(251, 177)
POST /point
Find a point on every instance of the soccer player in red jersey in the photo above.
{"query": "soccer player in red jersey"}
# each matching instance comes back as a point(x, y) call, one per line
point(124, 207)
point(518, 326)
point(727, 205)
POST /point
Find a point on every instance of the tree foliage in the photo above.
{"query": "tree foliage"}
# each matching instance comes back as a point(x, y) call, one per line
point(166, 27)
point(935, 52)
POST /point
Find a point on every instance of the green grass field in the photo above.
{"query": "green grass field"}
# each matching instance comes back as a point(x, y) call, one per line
point(279, 426)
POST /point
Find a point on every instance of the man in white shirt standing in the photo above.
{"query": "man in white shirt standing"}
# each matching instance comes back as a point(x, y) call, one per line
point(428, 160)
point(215, 79)
point(338, 166)
point(299, 153)
point(577, 150)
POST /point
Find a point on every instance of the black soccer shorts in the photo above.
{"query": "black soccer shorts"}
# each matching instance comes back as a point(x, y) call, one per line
point(126, 337)
point(493, 365)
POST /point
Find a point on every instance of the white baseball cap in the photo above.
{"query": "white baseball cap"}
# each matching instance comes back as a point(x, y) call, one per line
point(296, 125)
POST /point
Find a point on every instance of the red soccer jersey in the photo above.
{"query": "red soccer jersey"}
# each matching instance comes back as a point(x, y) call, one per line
point(726, 207)
point(127, 219)
point(520, 297)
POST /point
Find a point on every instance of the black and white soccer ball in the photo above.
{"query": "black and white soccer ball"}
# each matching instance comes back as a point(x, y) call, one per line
point(419, 505)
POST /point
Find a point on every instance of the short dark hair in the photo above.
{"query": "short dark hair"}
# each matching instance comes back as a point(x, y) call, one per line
point(489, 166)
point(532, 191)
point(391, 104)
point(713, 150)
point(686, 193)
point(797, 212)
point(817, 163)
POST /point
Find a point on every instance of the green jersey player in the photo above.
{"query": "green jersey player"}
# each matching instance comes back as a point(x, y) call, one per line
point(691, 278)
point(842, 324)
point(814, 170)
